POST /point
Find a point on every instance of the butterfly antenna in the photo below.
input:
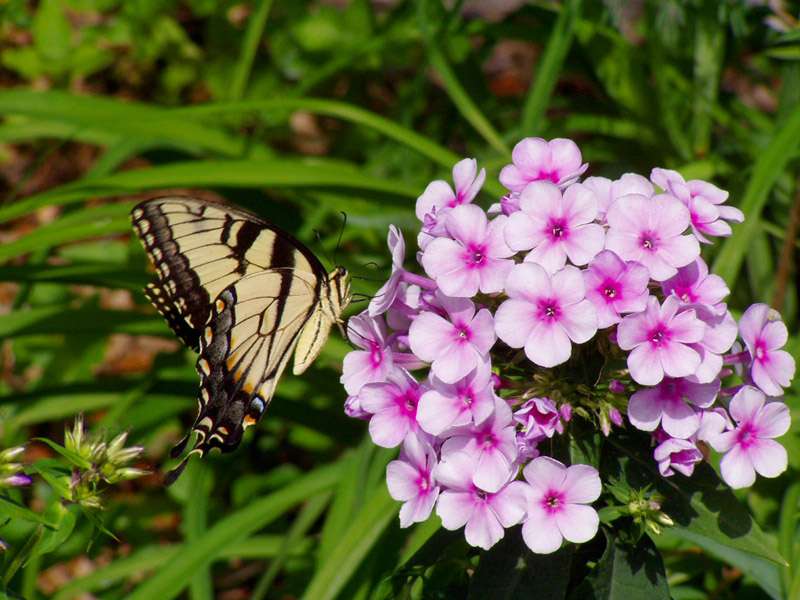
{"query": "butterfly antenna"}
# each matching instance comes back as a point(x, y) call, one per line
point(341, 233)
point(322, 247)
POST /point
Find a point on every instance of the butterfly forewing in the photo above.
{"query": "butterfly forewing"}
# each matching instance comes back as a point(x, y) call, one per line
point(200, 248)
point(244, 294)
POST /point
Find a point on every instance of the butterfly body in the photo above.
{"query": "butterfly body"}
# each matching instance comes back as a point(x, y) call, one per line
point(242, 293)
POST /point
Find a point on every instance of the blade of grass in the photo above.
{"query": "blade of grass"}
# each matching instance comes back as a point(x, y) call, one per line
point(125, 119)
point(549, 68)
point(174, 576)
point(252, 37)
point(115, 276)
point(78, 225)
point(340, 110)
point(195, 525)
point(300, 526)
point(709, 56)
point(354, 545)
point(284, 173)
point(150, 558)
point(53, 320)
point(469, 110)
point(769, 165)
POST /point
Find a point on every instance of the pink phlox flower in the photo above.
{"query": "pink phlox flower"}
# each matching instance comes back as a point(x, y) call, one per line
point(658, 339)
point(693, 284)
point(438, 199)
point(405, 306)
point(375, 361)
point(676, 455)
point(410, 480)
point(468, 400)
point(615, 287)
point(713, 421)
point(526, 447)
point(606, 191)
point(476, 258)
point(539, 418)
point(665, 404)
point(508, 205)
point(557, 161)
point(438, 195)
point(545, 314)
point(555, 226)
point(352, 408)
point(485, 514)
point(558, 504)
point(456, 345)
point(385, 296)
point(764, 334)
point(650, 231)
point(703, 200)
point(393, 405)
point(749, 447)
point(492, 446)
point(720, 333)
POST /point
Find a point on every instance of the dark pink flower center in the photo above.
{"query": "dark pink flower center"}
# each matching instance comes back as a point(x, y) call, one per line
point(463, 333)
point(610, 291)
point(489, 440)
point(648, 241)
point(410, 401)
point(553, 501)
point(557, 229)
point(746, 436)
point(657, 336)
point(375, 355)
point(549, 176)
point(466, 398)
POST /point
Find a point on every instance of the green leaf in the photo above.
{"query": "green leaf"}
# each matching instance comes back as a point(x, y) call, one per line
point(625, 572)
point(52, 537)
point(57, 474)
point(73, 457)
point(701, 504)
point(9, 509)
point(509, 571)
point(51, 31)
point(766, 573)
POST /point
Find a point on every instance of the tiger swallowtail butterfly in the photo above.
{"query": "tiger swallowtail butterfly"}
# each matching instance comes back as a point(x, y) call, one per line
point(243, 294)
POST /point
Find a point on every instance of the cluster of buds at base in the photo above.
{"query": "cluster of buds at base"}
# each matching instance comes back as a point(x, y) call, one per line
point(565, 300)
point(95, 460)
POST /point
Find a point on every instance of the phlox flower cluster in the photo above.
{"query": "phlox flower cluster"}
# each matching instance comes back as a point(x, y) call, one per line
point(471, 366)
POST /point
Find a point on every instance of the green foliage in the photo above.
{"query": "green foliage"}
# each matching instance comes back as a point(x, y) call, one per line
point(299, 110)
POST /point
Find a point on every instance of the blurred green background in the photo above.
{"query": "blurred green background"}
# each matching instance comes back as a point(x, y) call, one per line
point(299, 111)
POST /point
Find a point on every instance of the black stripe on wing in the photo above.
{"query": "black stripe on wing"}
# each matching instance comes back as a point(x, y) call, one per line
point(177, 291)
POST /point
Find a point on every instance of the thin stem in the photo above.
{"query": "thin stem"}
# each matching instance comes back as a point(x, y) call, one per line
point(22, 555)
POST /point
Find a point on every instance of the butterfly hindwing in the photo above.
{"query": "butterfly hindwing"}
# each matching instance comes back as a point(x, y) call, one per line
point(244, 294)
point(254, 326)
